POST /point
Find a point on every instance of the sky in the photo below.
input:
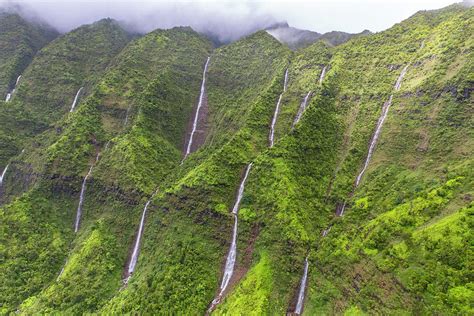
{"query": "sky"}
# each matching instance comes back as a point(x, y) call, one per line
point(228, 19)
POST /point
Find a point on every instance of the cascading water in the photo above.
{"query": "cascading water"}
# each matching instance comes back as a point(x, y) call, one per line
point(299, 303)
point(126, 116)
point(232, 255)
point(83, 192)
point(323, 74)
point(61, 272)
point(302, 108)
point(200, 103)
point(378, 128)
point(136, 248)
point(277, 110)
point(3, 174)
point(10, 94)
point(75, 99)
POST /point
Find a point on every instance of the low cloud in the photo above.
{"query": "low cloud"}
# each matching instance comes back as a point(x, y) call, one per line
point(226, 20)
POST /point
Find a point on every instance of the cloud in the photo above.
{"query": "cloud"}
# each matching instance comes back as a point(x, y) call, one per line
point(226, 19)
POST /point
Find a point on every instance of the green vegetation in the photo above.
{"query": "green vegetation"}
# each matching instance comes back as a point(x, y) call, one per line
point(19, 42)
point(403, 245)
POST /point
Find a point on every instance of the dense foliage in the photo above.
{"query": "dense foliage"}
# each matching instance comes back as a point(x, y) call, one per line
point(403, 246)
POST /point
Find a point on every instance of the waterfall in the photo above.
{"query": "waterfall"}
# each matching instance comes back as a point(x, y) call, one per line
point(398, 84)
point(323, 73)
point(240, 194)
point(136, 248)
point(326, 231)
point(126, 116)
point(301, 109)
point(196, 116)
point(83, 192)
point(10, 94)
point(285, 83)
point(277, 110)
point(299, 304)
point(3, 174)
point(378, 128)
point(61, 272)
point(232, 255)
point(75, 99)
point(340, 211)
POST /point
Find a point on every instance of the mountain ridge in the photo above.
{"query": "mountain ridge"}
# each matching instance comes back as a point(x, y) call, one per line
point(401, 245)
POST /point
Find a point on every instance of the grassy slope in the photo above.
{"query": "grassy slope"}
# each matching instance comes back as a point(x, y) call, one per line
point(50, 82)
point(185, 239)
point(371, 261)
point(424, 146)
point(19, 42)
point(110, 212)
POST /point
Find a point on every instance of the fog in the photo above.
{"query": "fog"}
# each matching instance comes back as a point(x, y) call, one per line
point(226, 19)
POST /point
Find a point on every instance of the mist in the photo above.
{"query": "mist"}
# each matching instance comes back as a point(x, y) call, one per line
point(226, 20)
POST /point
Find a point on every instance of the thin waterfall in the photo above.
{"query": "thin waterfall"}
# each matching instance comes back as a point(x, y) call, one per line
point(301, 292)
point(61, 272)
point(232, 255)
point(10, 94)
point(323, 74)
point(3, 174)
point(136, 248)
point(302, 108)
point(196, 116)
point(277, 110)
point(285, 83)
point(380, 122)
point(126, 116)
point(326, 231)
point(83, 192)
point(75, 99)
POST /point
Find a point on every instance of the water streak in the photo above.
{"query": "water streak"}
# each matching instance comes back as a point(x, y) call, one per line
point(378, 128)
point(83, 192)
point(285, 83)
point(323, 74)
point(136, 248)
point(17, 80)
point(326, 231)
point(75, 99)
point(277, 110)
point(3, 174)
point(61, 272)
point(232, 255)
point(196, 116)
point(8, 97)
point(126, 116)
point(299, 304)
point(302, 108)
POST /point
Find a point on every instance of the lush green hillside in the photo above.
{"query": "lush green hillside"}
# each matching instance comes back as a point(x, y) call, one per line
point(19, 42)
point(49, 84)
point(402, 246)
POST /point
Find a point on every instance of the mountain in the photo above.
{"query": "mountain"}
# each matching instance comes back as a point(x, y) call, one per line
point(244, 179)
point(19, 42)
point(297, 38)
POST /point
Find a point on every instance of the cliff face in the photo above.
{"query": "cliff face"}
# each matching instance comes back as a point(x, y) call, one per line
point(369, 179)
